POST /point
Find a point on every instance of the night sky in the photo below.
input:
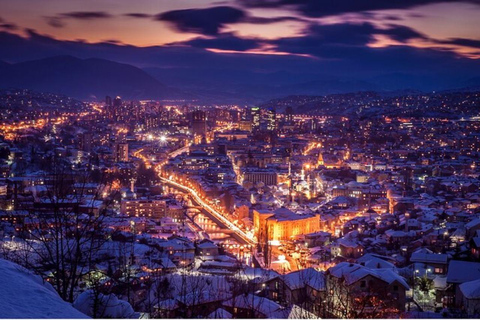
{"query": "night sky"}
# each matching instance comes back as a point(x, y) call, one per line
point(325, 36)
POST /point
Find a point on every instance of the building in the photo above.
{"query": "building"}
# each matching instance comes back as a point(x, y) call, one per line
point(289, 115)
point(144, 208)
point(282, 224)
point(355, 291)
point(199, 123)
point(271, 120)
point(269, 178)
point(121, 152)
point(471, 297)
point(256, 117)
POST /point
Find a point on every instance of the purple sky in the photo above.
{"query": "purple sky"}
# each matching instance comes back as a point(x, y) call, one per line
point(253, 26)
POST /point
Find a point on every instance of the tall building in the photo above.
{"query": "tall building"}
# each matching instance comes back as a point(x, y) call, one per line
point(108, 101)
point(271, 119)
point(121, 152)
point(199, 122)
point(86, 141)
point(117, 102)
point(255, 116)
point(289, 115)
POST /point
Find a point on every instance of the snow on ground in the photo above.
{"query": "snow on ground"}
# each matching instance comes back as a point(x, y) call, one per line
point(25, 295)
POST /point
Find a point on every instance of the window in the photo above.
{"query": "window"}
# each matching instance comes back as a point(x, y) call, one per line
point(395, 288)
point(363, 284)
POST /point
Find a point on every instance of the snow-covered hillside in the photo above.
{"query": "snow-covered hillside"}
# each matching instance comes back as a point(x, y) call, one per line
point(25, 295)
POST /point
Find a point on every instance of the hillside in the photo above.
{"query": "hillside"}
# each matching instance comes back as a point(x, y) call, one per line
point(25, 295)
point(84, 78)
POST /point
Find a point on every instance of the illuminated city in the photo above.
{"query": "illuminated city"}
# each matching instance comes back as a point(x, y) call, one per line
point(251, 159)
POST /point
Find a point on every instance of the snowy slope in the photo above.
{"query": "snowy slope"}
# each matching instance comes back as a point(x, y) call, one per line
point(25, 295)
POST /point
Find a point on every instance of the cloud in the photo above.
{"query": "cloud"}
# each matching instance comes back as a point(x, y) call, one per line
point(58, 21)
point(8, 26)
point(207, 21)
point(224, 41)
point(321, 8)
point(341, 39)
point(55, 22)
point(86, 15)
point(263, 20)
point(138, 15)
point(472, 43)
point(401, 33)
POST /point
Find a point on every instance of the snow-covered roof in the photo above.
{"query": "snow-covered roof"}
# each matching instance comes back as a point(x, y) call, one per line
point(471, 289)
point(429, 258)
point(473, 223)
point(462, 271)
point(353, 272)
point(300, 313)
point(262, 305)
point(299, 279)
point(220, 313)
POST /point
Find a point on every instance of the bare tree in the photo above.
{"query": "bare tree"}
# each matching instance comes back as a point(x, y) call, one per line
point(64, 230)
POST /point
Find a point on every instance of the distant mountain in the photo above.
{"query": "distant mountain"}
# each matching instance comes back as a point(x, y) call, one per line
point(85, 79)
point(253, 87)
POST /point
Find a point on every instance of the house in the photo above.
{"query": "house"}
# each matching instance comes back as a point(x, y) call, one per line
point(471, 297)
point(437, 262)
point(347, 248)
point(472, 227)
point(305, 288)
point(475, 247)
point(207, 248)
point(252, 306)
point(350, 285)
point(459, 272)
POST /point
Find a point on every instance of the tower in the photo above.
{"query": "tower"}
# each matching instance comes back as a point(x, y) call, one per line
point(271, 120)
point(121, 152)
point(199, 123)
point(255, 116)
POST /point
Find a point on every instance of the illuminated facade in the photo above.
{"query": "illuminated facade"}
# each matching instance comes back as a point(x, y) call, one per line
point(282, 224)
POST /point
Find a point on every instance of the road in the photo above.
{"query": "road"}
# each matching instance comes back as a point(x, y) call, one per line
point(211, 211)
point(239, 233)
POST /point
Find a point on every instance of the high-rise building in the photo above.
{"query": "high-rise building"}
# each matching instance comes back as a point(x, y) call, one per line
point(271, 119)
point(289, 115)
point(86, 141)
point(108, 101)
point(117, 102)
point(121, 152)
point(255, 116)
point(199, 122)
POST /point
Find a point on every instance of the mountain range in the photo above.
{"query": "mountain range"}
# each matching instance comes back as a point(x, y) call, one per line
point(85, 79)
point(93, 79)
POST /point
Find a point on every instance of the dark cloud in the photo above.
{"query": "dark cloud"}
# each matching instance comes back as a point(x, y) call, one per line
point(138, 15)
point(58, 21)
point(472, 43)
point(402, 33)
point(342, 39)
point(86, 15)
point(55, 22)
point(8, 26)
point(263, 20)
point(224, 41)
point(320, 8)
point(205, 21)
